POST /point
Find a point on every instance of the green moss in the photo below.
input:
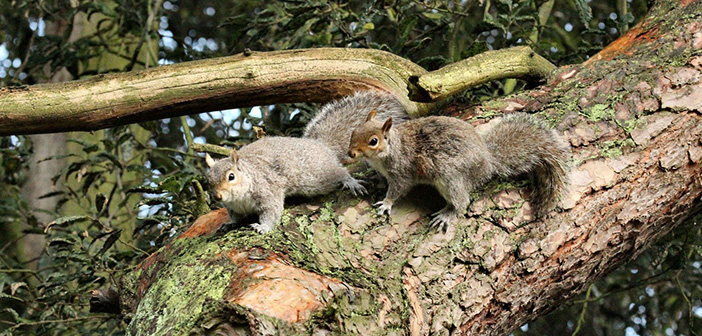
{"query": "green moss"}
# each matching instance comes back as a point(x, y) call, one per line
point(491, 109)
point(555, 112)
point(599, 112)
point(187, 284)
point(610, 149)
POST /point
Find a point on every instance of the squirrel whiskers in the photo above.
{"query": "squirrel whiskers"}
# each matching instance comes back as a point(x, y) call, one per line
point(448, 154)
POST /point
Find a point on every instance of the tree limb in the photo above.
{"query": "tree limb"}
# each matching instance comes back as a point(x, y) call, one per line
point(517, 62)
point(256, 78)
point(250, 79)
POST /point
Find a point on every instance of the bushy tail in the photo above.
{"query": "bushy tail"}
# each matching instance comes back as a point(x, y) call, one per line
point(520, 144)
point(335, 122)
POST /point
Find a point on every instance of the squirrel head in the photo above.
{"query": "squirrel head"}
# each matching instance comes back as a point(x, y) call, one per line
point(225, 178)
point(371, 138)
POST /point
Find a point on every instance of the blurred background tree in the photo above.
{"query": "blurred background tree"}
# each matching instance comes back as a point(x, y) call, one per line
point(105, 200)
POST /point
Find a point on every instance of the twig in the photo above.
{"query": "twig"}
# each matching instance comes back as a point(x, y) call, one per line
point(544, 13)
point(188, 136)
point(26, 56)
point(211, 149)
point(581, 319)
point(147, 28)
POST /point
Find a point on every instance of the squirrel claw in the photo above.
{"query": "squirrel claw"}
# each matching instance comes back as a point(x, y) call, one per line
point(440, 224)
point(384, 207)
point(442, 219)
point(355, 186)
point(261, 228)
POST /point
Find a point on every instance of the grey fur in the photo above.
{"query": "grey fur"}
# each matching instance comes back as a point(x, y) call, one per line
point(520, 144)
point(448, 154)
point(272, 168)
point(335, 121)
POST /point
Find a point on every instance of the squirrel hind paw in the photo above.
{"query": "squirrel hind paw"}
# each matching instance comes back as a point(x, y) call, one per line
point(355, 186)
point(442, 219)
point(261, 228)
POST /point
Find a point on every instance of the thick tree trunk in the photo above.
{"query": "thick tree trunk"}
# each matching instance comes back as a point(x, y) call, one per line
point(632, 117)
point(41, 171)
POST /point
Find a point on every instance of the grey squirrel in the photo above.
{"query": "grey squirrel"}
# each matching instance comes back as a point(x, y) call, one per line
point(447, 153)
point(335, 121)
point(257, 178)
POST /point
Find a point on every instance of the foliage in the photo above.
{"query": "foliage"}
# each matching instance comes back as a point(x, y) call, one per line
point(123, 192)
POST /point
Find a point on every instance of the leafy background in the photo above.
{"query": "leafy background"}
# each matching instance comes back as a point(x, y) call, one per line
point(119, 194)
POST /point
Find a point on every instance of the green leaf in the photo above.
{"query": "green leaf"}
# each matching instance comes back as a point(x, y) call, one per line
point(153, 201)
point(111, 158)
point(12, 312)
point(170, 183)
point(52, 194)
point(584, 12)
point(433, 16)
point(113, 237)
point(63, 221)
point(61, 243)
point(406, 26)
point(88, 147)
point(88, 181)
point(100, 202)
point(8, 296)
point(391, 14)
point(47, 313)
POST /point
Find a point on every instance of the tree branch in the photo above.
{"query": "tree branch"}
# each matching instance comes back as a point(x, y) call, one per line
point(517, 62)
point(250, 79)
point(313, 75)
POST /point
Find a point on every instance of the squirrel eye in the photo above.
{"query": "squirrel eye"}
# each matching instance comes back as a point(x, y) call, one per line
point(231, 176)
point(373, 142)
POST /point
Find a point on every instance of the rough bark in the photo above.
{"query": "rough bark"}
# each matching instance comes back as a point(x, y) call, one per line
point(249, 79)
point(632, 117)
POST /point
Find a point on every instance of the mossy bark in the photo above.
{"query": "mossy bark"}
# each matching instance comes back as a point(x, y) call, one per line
point(632, 117)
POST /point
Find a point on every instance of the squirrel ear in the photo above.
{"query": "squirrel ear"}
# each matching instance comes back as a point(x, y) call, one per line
point(210, 161)
point(234, 156)
point(387, 125)
point(371, 115)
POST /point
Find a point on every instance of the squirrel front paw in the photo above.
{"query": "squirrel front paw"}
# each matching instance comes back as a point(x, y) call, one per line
point(385, 206)
point(355, 186)
point(261, 228)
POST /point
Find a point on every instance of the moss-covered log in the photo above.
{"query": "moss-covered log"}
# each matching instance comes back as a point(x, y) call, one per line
point(634, 124)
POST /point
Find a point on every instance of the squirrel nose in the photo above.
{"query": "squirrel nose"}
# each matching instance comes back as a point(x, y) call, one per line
point(353, 153)
point(218, 196)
